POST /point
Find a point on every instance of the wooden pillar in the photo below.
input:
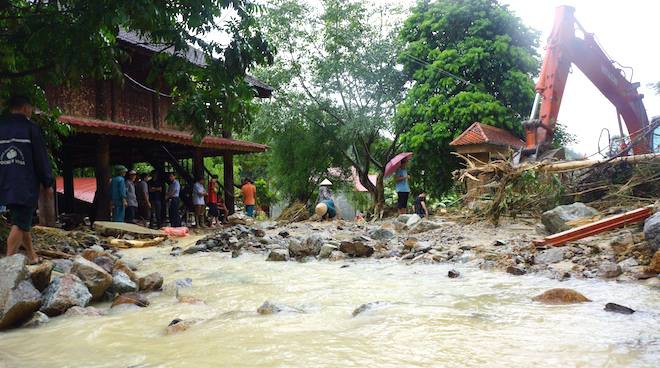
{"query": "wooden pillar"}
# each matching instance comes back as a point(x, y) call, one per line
point(102, 197)
point(67, 173)
point(228, 172)
point(198, 163)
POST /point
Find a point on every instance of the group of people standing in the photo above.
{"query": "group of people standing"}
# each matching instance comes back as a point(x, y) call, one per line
point(142, 199)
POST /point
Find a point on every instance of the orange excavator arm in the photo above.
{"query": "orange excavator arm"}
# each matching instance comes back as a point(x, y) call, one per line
point(564, 49)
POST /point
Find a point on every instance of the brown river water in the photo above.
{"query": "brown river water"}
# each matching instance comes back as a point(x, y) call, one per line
point(482, 319)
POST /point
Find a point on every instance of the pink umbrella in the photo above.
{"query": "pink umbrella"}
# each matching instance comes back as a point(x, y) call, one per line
point(395, 163)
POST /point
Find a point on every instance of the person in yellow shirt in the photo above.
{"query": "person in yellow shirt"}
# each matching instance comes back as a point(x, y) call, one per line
point(249, 192)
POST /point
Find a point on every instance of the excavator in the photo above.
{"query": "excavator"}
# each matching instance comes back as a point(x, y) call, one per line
point(565, 48)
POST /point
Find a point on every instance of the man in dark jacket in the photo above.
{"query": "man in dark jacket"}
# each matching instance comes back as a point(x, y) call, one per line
point(24, 166)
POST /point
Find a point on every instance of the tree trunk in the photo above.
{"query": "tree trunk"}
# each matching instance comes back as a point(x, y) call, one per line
point(379, 202)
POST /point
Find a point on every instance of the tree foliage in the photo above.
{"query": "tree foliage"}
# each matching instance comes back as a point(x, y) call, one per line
point(467, 61)
point(62, 42)
point(336, 70)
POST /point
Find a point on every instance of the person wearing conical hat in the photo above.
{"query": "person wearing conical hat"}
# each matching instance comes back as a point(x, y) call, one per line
point(325, 192)
point(325, 209)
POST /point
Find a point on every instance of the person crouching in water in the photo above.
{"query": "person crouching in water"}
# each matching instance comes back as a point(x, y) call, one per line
point(420, 205)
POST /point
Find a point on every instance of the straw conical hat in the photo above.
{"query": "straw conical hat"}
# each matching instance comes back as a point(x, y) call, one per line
point(321, 209)
point(326, 182)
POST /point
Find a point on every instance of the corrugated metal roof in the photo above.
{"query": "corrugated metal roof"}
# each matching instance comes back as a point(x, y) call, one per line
point(165, 135)
point(479, 133)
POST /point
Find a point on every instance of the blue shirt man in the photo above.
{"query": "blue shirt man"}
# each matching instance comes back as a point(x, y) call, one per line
point(118, 194)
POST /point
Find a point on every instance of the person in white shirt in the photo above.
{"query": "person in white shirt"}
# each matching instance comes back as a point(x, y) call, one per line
point(198, 194)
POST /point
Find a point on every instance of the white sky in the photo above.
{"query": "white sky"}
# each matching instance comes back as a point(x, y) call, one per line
point(627, 30)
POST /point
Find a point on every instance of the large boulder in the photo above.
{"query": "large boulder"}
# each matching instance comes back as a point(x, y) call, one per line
point(356, 248)
point(13, 270)
point(151, 282)
point(424, 225)
point(121, 283)
point(63, 293)
point(92, 275)
point(21, 303)
point(125, 268)
point(412, 220)
point(40, 274)
point(326, 250)
point(62, 265)
point(337, 255)
point(105, 263)
point(278, 255)
point(652, 231)
point(561, 296)
point(557, 219)
point(609, 270)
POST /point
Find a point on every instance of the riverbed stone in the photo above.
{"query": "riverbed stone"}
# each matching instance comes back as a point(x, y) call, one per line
point(369, 307)
point(105, 263)
point(121, 283)
point(13, 270)
point(557, 219)
point(77, 311)
point(278, 255)
point(38, 319)
point(326, 250)
point(131, 298)
point(62, 265)
point(63, 293)
point(609, 270)
point(618, 308)
point(412, 220)
point(125, 268)
point(196, 249)
point(561, 296)
point(652, 231)
point(356, 248)
point(179, 325)
point(654, 266)
point(22, 301)
point(92, 275)
point(382, 233)
point(516, 271)
point(151, 282)
point(273, 308)
point(337, 255)
point(453, 274)
point(423, 226)
point(40, 274)
point(549, 256)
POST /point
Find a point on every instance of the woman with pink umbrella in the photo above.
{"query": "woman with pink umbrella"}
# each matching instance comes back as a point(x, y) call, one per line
point(397, 166)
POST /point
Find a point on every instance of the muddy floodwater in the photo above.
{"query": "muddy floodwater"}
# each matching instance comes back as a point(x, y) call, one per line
point(482, 319)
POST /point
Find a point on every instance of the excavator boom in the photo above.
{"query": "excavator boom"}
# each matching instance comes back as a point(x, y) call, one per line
point(564, 49)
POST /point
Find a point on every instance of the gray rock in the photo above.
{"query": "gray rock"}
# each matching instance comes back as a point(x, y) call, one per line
point(628, 264)
point(652, 231)
point(121, 283)
point(356, 248)
point(618, 308)
point(97, 248)
point(382, 234)
point(556, 219)
point(515, 271)
point(326, 250)
point(92, 275)
point(22, 301)
point(423, 226)
point(105, 263)
point(278, 255)
point(453, 274)
point(176, 251)
point(38, 319)
point(403, 218)
point(273, 308)
point(369, 307)
point(196, 249)
point(151, 282)
point(63, 293)
point(172, 287)
point(549, 256)
point(609, 270)
point(62, 265)
point(422, 246)
point(336, 255)
point(13, 270)
point(412, 220)
point(311, 246)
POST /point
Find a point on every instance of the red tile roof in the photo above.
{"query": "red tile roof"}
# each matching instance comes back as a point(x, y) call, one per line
point(87, 125)
point(479, 133)
point(83, 188)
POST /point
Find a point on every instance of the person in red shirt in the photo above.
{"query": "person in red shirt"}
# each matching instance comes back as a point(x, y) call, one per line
point(212, 199)
point(249, 192)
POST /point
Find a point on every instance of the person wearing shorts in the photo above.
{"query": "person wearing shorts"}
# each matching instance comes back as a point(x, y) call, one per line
point(24, 170)
point(402, 187)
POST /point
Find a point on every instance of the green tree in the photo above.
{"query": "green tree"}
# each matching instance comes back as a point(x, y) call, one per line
point(467, 61)
point(62, 42)
point(337, 69)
